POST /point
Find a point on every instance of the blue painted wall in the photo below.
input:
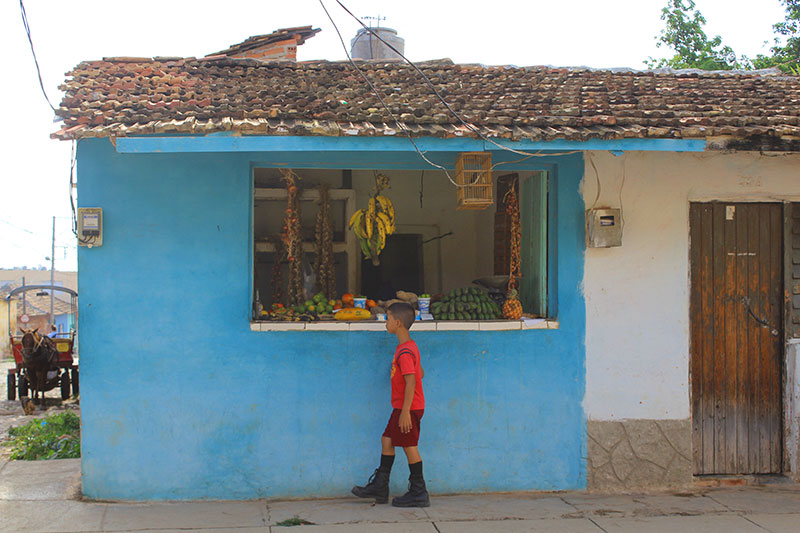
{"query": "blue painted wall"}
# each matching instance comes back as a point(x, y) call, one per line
point(180, 400)
point(64, 323)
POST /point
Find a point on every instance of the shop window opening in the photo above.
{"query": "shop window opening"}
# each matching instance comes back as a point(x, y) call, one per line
point(435, 248)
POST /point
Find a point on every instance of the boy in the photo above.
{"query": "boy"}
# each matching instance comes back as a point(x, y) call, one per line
point(408, 403)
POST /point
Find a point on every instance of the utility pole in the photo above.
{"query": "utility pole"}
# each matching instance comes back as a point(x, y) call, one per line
point(52, 273)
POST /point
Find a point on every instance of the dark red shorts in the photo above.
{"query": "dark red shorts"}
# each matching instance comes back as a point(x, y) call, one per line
point(393, 429)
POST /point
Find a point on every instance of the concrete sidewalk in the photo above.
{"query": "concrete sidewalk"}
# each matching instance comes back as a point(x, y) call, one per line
point(44, 496)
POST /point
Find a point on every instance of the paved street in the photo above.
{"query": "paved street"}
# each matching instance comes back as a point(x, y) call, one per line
point(44, 496)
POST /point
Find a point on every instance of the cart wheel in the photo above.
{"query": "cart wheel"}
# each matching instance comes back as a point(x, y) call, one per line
point(22, 385)
point(76, 390)
point(12, 387)
point(65, 385)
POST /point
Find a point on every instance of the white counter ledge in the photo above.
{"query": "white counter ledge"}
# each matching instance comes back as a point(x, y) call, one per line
point(424, 325)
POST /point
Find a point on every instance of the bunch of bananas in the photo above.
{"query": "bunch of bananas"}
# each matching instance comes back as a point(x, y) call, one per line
point(372, 225)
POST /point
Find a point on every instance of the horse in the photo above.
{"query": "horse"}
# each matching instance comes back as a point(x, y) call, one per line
point(39, 356)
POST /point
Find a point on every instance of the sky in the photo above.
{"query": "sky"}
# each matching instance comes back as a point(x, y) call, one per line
point(34, 176)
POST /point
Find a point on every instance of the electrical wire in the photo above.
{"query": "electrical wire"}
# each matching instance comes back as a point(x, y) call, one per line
point(73, 160)
point(35, 61)
point(470, 127)
point(16, 227)
point(621, 186)
point(401, 126)
point(596, 177)
point(528, 157)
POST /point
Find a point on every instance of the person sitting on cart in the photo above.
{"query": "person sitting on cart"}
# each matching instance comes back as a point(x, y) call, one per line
point(53, 331)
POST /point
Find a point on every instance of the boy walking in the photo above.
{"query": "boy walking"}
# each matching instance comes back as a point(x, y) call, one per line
point(408, 406)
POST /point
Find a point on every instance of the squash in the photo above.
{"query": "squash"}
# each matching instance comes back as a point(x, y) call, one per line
point(352, 313)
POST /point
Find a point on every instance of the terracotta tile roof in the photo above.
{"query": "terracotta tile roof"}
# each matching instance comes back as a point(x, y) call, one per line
point(132, 96)
point(298, 34)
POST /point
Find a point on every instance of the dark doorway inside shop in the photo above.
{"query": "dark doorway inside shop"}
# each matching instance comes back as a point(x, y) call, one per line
point(400, 268)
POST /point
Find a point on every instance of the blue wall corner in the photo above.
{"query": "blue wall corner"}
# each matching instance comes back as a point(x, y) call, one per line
point(180, 400)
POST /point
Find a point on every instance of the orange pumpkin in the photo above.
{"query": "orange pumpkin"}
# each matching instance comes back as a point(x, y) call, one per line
point(371, 304)
point(347, 300)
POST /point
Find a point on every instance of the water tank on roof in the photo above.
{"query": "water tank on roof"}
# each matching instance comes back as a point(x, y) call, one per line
point(366, 46)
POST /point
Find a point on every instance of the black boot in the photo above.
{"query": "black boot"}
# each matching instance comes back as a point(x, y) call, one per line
point(417, 495)
point(377, 487)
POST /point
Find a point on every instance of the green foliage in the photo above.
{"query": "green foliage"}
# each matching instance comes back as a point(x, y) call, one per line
point(786, 48)
point(53, 437)
point(693, 49)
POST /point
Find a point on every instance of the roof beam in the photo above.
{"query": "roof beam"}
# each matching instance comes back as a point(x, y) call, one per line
point(236, 143)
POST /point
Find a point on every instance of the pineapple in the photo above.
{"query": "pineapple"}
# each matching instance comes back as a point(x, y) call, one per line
point(512, 308)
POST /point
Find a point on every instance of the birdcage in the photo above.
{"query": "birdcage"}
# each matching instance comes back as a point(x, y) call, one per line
point(474, 179)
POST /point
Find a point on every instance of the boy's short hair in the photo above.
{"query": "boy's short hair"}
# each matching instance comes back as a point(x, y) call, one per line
point(404, 312)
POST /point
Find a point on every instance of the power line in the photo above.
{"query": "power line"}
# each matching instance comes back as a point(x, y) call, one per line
point(72, 161)
point(399, 125)
point(16, 227)
point(435, 91)
point(402, 127)
point(35, 61)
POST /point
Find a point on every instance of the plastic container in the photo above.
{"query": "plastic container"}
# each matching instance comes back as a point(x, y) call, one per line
point(424, 305)
point(381, 317)
point(360, 302)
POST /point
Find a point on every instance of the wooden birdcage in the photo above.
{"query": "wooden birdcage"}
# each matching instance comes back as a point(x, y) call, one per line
point(474, 177)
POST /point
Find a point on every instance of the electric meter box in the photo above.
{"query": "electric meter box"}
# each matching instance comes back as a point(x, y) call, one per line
point(603, 228)
point(90, 226)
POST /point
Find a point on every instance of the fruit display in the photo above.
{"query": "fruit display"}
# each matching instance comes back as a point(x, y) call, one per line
point(292, 238)
point(352, 313)
point(375, 222)
point(279, 313)
point(512, 308)
point(468, 303)
point(314, 309)
point(319, 303)
point(323, 261)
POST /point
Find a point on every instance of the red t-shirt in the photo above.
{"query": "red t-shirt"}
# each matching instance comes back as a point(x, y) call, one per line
point(406, 361)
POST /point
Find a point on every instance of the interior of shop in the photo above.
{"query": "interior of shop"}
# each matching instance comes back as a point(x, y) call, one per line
point(437, 248)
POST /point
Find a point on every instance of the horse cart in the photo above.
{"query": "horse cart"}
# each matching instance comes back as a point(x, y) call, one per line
point(42, 362)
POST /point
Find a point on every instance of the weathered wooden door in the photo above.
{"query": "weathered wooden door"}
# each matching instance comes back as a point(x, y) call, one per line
point(736, 337)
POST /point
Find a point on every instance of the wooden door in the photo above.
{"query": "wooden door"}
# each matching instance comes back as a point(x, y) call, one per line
point(736, 337)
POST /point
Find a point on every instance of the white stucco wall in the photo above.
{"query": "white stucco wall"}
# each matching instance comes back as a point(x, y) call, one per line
point(637, 295)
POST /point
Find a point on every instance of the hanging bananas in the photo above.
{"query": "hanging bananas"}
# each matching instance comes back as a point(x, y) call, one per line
point(372, 225)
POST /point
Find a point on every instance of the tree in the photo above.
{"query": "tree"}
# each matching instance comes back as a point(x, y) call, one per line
point(786, 50)
point(693, 49)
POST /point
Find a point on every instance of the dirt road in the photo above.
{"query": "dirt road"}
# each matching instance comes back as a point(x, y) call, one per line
point(11, 413)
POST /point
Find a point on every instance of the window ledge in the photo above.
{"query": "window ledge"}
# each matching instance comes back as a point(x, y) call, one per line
point(423, 325)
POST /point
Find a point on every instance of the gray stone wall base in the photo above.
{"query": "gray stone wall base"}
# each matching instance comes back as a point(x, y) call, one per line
point(630, 455)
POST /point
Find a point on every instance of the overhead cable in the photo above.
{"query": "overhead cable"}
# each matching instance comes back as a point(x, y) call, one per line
point(402, 127)
point(470, 127)
point(399, 125)
point(72, 161)
point(35, 61)
point(16, 227)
